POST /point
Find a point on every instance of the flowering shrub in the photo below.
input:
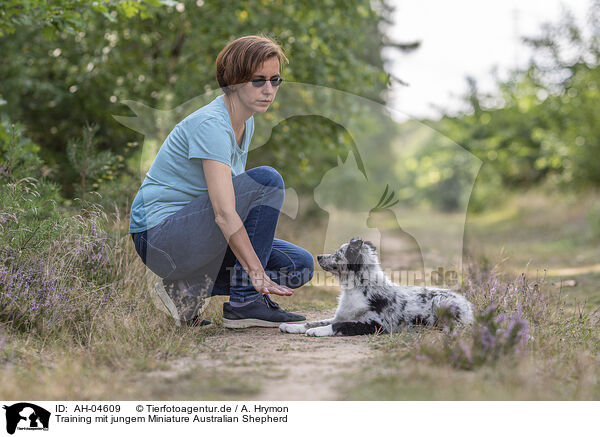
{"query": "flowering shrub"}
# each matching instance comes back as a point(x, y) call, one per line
point(501, 326)
point(487, 287)
point(31, 293)
point(54, 271)
point(493, 335)
point(88, 246)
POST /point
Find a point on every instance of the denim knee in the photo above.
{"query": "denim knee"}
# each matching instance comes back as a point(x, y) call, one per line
point(272, 192)
point(305, 269)
point(307, 264)
point(267, 176)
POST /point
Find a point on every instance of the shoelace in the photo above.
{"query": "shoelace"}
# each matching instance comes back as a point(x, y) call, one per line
point(269, 302)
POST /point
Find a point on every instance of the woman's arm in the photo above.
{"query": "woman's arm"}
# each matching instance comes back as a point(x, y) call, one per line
point(222, 197)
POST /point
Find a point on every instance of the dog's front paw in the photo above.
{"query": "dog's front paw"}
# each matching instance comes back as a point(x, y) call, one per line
point(292, 328)
point(321, 331)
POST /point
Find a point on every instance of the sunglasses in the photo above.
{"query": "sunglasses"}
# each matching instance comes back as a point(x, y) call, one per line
point(275, 82)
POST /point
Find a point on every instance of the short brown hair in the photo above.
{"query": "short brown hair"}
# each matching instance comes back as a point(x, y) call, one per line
point(238, 61)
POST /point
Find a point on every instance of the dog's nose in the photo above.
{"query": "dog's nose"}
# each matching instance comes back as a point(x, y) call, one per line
point(319, 257)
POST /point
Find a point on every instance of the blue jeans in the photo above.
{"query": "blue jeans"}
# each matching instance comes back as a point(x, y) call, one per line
point(190, 246)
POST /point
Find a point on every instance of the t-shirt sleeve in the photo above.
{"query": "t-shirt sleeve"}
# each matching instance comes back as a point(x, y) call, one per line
point(209, 139)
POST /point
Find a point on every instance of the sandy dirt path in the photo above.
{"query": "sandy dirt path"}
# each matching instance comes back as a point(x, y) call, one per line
point(288, 366)
point(282, 366)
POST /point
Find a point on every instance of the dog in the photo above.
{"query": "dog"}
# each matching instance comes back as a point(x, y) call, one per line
point(371, 303)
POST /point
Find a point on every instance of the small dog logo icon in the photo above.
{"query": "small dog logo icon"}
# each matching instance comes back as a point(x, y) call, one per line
point(28, 416)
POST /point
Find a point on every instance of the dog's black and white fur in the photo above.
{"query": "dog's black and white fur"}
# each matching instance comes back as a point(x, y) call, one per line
point(371, 303)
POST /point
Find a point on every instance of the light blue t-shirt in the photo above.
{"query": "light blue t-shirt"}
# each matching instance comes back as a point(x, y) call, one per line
point(176, 176)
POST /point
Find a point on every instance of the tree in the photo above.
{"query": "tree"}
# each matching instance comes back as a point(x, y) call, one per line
point(66, 15)
point(542, 126)
point(165, 58)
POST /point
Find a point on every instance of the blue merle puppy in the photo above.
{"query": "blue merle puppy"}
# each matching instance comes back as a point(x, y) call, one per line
point(371, 303)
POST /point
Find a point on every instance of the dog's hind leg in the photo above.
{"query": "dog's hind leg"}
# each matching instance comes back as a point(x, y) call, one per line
point(357, 328)
point(345, 328)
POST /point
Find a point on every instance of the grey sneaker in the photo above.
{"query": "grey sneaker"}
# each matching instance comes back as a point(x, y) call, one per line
point(183, 301)
point(263, 312)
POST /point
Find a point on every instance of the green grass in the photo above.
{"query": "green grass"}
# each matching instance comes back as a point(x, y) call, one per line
point(125, 347)
point(534, 233)
point(550, 233)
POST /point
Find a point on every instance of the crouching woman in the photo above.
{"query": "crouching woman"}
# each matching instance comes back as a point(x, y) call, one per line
point(205, 224)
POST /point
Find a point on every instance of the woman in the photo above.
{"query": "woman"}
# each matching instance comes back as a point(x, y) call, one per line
point(203, 223)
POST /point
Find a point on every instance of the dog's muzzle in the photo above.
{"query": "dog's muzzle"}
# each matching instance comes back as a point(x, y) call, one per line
point(322, 260)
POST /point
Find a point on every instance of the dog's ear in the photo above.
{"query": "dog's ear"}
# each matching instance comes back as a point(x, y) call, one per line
point(353, 255)
point(371, 245)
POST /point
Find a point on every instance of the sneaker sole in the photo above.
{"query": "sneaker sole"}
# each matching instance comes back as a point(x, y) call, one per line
point(253, 323)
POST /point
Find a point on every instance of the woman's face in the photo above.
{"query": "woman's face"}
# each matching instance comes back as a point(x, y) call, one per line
point(259, 99)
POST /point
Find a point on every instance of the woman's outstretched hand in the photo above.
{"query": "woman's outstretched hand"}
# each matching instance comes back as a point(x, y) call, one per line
point(265, 285)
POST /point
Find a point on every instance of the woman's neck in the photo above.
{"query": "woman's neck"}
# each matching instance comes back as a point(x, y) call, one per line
point(238, 112)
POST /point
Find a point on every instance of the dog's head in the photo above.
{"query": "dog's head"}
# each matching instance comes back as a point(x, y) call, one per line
point(355, 256)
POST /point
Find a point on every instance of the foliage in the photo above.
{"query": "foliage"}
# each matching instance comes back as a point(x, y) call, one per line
point(28, 216)
point(45, 255)
point(28, 200)
point(503, 309)
point(60, 287)
point(20, 156)
point(493, 336)
point(59, 273)
point(54, 87)
point(66, 15)
point(91, 164)
point(485, 286)
point(540, 126)
point(433, 170)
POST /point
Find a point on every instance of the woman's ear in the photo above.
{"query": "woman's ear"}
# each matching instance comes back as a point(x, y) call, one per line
point(232, 89)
